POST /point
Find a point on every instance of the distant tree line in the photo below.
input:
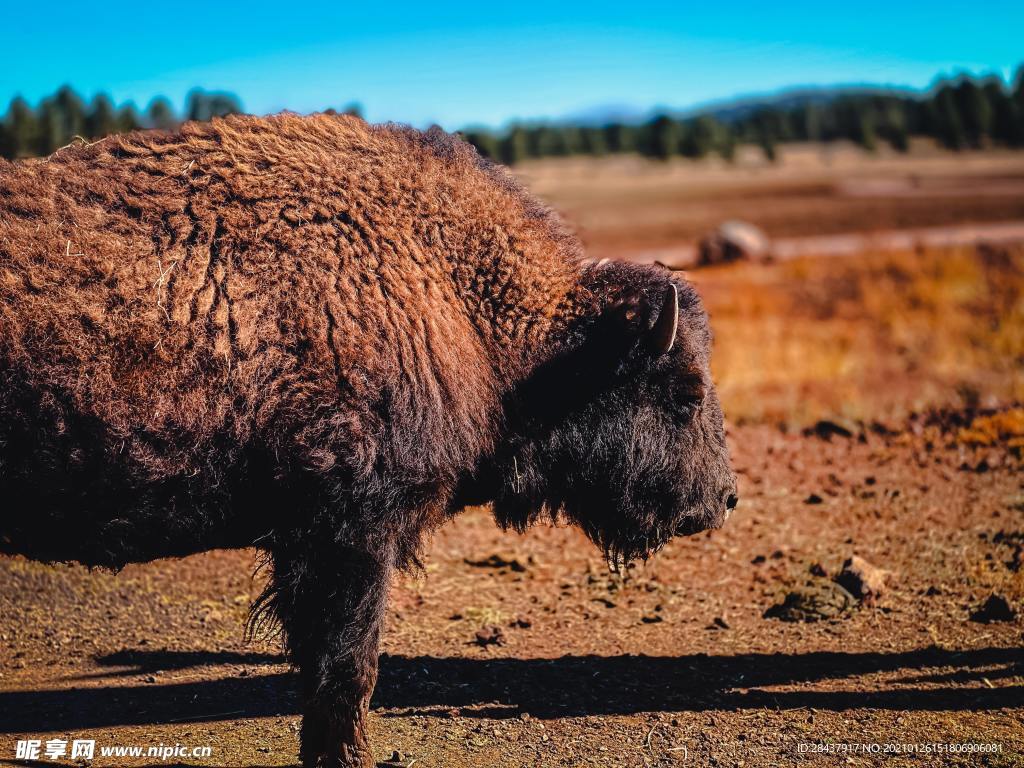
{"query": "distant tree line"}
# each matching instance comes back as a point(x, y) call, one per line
point(960, 113)
point(64, 117)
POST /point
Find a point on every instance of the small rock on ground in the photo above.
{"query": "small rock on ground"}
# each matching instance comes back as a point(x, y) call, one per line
point(996, 608)
point(821, 600)
point(863, 580)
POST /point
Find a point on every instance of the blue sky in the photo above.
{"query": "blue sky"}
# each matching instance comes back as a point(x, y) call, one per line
point(486, 63)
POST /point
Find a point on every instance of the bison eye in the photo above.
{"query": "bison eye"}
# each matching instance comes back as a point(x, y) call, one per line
point(684, 410)
point(689, 388)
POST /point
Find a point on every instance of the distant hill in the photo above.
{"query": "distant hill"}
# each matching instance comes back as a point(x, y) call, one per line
point(735, 108)
point(742, 107)
point(605, 114)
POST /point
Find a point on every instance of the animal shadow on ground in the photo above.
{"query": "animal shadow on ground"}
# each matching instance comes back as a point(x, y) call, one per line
point(930, 679)
point(52, 764)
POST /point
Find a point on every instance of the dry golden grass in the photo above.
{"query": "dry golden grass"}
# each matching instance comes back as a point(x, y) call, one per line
point(1002, 427)
point(867, 338)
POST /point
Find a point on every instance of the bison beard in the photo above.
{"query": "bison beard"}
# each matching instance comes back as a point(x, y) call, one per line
point(324, 339)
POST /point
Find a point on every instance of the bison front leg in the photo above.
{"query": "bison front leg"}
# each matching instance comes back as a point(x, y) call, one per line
point(331, 602)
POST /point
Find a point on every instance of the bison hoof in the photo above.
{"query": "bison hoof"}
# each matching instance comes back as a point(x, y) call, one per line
point(350, 749)
point(346, 757)
point(351, 757)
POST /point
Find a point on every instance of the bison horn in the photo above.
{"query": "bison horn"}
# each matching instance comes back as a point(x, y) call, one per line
point(663, 335)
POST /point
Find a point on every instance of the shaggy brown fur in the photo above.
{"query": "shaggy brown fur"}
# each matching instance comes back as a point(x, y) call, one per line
point(323, 338)
point(191, 291)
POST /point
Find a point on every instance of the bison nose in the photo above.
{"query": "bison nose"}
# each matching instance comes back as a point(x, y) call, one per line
point(731, 500)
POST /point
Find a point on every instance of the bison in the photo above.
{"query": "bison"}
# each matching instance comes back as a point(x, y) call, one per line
point(323, 339)
point(733, 241)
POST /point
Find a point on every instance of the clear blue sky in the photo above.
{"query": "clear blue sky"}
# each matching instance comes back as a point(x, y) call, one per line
point(487, 62)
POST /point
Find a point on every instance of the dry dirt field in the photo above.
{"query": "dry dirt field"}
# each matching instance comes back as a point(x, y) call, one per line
point(874, 410)
point(630, 208)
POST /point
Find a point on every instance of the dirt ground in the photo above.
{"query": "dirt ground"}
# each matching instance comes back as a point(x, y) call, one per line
point(672, 664)
point(873, 409)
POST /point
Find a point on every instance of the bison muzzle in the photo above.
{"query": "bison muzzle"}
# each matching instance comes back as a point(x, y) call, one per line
point(324, 339)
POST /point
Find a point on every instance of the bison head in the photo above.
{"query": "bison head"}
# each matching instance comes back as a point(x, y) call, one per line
point(620, 429)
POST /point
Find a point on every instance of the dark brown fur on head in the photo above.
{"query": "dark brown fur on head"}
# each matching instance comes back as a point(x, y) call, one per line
point(620, 438)
point(323, 338)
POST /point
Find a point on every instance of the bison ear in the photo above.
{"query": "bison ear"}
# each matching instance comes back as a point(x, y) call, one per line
point(662, 336)
point(638, 319)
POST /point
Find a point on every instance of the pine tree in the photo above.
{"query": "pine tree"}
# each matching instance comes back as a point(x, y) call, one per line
point(547, 141)
point(974, 110)
point(809, 122)
point(128, 118)
point(593, 141)
point(514, 147)
point(486, 143)
point(6, 141)
point(686, 143)
point(197, 105)
point(701, 136)
point(664, 137)
point(620, 137)
point(1000, 104)
point(101, 119)
point(761, 131)
point(572, 139)
point(865, 132)
point(1018, 107)
point(206, 106)
point(160, 114)
point(727, 144)
point(948, 123)
point(70, 113)
point(49, 131)
point(22, 128)
point(893, 124)
point(899, 138)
